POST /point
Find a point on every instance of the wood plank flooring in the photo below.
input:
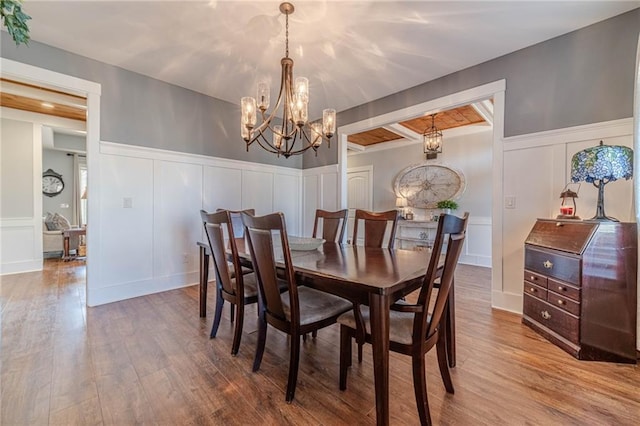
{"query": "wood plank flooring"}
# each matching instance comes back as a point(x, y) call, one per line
point(149, 360)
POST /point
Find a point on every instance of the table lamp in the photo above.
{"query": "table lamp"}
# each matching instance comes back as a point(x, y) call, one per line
point(600, 165)
point(402, 203)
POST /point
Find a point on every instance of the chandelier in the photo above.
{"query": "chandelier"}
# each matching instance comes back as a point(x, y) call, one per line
point(432, 140)
point(294, 99)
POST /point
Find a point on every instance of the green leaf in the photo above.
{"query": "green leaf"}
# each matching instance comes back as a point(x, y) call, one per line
point(15, 20)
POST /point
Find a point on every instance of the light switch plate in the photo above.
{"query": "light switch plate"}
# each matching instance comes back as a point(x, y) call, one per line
point(127, 203)
point(510, 202)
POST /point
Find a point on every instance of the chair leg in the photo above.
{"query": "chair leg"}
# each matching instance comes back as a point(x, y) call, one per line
point(218, 314)
point(420, 388)
point(451, 326)
point(232, 312)
point(314, 333)
point(443, 362)
point(262, 338)
point(345, 355)
point(360, 345)
point(294, 360)
point(237, 334)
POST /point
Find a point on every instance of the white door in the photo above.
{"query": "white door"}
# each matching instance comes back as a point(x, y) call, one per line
point(359, 193)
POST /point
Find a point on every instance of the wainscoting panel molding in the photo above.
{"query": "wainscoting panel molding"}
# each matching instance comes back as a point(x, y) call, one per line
point(150, 201)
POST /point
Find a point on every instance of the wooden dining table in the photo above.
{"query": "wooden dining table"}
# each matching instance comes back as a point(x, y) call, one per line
point(376, 277)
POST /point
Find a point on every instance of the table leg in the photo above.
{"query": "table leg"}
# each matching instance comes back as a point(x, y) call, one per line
point(379, 312)
point(204, 278)
point(65, 248)
point(450, 328)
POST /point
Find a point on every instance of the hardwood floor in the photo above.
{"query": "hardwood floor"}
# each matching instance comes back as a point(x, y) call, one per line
point(150, 360)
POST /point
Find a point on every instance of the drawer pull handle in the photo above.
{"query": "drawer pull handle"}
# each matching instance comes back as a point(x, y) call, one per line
point(533, 290)
point(561, 302)
point(560, 288)
point(547, 264)
point(545, 314)
point(533, 278)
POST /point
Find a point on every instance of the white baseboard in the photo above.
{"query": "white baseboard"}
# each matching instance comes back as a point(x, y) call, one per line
point(128, 290)
point(475, 260)
point(511, 302)
point(21, 267)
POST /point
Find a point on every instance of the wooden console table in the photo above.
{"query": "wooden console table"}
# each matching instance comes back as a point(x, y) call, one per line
point(67, 234)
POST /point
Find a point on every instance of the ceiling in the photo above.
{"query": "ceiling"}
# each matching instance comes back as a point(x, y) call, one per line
point(352, 51)
point(475, 117)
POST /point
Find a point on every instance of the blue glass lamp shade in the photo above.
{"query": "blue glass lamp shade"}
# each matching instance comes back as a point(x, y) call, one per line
point(600, 165)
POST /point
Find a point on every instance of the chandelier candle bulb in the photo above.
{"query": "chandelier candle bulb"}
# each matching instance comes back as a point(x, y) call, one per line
point(329, 122)
point(264, 97)
point(316, 131)
point(248, 105)
point(302, 89)
point(277, 136)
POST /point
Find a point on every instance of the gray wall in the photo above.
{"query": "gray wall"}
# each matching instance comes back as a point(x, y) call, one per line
point(60, 163)
point(16, 169)
point(579, 78)
point(71, 142)
point(470, 153)
point(138, 110)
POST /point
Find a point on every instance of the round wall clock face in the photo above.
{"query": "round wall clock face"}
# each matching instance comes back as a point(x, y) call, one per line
point(423, 185)
point(52, 183)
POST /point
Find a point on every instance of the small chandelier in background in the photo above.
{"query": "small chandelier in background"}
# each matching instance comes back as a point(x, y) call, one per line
point(294, 99)
point(432, 140)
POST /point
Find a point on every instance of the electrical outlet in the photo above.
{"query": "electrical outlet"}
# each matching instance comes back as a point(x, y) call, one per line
point(185, 258)
point(127, 203)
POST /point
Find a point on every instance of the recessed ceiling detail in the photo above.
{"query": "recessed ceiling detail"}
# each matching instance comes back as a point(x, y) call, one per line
point(412, 129)
point(373, 136)
point(463, 116)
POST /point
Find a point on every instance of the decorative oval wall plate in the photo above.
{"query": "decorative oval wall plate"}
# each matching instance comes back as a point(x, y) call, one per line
point(423, 185)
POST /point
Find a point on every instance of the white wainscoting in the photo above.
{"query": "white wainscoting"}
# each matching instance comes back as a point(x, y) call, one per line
point(536, 169)
point(320, 191)
point(149, 207)
point(21, 237)
point(477, 244)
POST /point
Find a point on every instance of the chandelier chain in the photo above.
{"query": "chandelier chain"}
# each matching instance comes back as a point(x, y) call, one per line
point(286, 17)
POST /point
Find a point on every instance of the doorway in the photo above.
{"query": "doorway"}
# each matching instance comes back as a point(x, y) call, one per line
point(18, 71)
point(493, 90)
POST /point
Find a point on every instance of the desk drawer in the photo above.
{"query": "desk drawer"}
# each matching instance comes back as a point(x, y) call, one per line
point(535, 291)
point(563, 323)
point(563, 289)
point(563, 303)
point(535, 278)
point(553, 264)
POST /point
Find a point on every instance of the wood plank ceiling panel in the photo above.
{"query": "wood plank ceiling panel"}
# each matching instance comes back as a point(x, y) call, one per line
point(373, 136)
point(38, 106)
point(42, 100)
point(458, 117)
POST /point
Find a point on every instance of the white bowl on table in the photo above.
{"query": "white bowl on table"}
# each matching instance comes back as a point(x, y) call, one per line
point(304, 244)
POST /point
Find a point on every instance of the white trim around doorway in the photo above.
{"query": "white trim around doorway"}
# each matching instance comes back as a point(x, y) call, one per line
point(495, 90)
point(92, 90)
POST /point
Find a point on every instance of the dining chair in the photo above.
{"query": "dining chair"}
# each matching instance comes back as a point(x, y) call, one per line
point(375, 227)
point(237, 289)
point(333, 225)
point(299, 310)
point(416, 328)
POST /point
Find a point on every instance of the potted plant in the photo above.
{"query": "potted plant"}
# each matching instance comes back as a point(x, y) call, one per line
point(15, 20)
point(447, 205)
